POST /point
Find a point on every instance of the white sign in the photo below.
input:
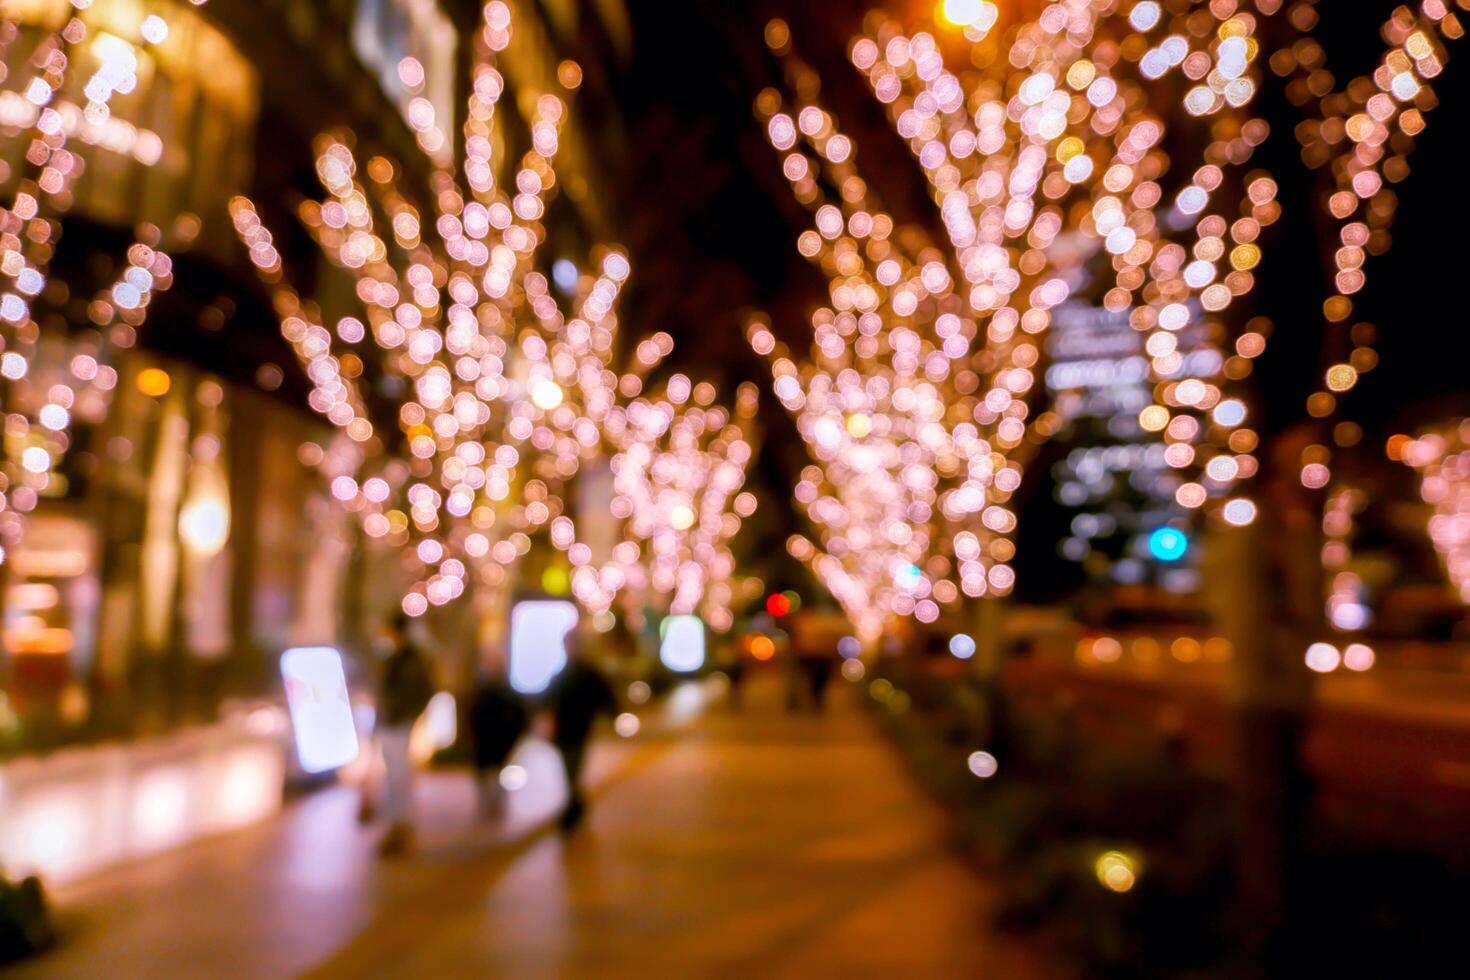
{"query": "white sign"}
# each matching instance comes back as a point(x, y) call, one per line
point(682, 649)
point(538, 652)
point(321, 712)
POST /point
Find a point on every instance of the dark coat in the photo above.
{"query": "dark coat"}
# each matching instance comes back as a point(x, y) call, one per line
point(577, 696)
point(407, 687)
point(498, 719)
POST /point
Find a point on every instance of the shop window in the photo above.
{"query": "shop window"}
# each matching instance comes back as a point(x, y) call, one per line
point(50, 613)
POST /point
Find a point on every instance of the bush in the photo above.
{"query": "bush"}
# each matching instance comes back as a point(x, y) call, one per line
point(1059, 802)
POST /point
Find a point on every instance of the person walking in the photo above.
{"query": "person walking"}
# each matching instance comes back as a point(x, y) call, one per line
point(405, 692)
point(576, 697)
point(817, 666)
point(731, 663)
point(498, 720)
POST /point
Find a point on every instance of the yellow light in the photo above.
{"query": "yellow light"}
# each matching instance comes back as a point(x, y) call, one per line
point(33, 596)
point(435, 729)
point(546, 395)
point(1069, 148)
point(1081, 74)
point(153, 382)
point(1341, 377)
point(682, 518)
point(859, 425)
point(1154, 418)
point(555, 580)
point(962, 13)
point(1246, 256)
point(204, 524)
point(1116, 871)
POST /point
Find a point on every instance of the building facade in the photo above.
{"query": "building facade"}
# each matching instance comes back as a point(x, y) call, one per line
point(186, 535)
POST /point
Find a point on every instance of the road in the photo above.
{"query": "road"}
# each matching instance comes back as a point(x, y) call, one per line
point(720, 843)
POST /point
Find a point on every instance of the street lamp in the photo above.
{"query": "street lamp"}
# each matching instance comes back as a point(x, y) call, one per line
point(965, 13)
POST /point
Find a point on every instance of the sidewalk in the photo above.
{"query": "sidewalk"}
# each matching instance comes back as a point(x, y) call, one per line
point(724, 844)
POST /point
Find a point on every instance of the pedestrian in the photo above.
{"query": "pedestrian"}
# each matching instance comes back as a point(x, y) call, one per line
point(817, 666)
point(576, 697)
point(795, 676)
point(405, 692)
point(498, 720)
point(734, 668)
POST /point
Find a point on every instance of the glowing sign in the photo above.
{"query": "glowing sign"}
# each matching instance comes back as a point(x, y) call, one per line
point(321, 712)
point(538, 630)
point(682, 649)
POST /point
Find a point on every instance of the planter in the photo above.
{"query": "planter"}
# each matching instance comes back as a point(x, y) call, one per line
point(74, 812)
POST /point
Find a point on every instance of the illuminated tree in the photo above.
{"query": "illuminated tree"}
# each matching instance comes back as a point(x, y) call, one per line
point(1443, 461)
point(1045, 157)
point(680, 476)
point(909, 449)
point(505, 397)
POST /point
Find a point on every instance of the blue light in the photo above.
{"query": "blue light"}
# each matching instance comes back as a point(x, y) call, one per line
point(1167, 544)
point(564, 273)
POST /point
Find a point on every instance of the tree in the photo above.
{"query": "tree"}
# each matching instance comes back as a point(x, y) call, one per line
point(501, 398)
point(43, 394)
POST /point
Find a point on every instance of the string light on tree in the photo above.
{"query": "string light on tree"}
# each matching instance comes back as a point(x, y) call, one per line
point(41, 400)
point(1046, 161)
point(506, 395)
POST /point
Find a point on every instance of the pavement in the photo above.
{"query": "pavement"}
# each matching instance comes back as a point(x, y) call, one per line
point(721, 842)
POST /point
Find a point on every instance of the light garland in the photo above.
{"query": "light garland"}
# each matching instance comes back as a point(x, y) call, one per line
point(503, 398)
point(1363, 134)
point(38, 414)
point(1082, 106)
point(679, 482)
point(1443, 461)
point(1045, 160)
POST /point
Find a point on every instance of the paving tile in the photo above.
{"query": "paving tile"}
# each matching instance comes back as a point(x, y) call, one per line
point(720, 843)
